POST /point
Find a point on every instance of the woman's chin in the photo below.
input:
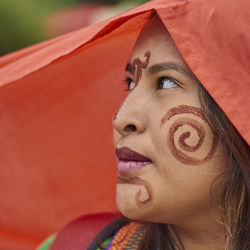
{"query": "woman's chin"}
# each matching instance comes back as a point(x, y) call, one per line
point(131, 212)
point(128, 203)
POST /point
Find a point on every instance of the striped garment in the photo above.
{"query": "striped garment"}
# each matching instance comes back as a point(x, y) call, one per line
point(128, 237)
point(125, 237)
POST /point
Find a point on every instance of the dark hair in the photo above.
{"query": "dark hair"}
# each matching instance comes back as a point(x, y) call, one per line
point(236, 197)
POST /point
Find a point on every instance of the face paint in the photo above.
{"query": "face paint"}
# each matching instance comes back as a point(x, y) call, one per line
point(138, 65)
point(115, 115)
point(138, 196)
point(179, 122)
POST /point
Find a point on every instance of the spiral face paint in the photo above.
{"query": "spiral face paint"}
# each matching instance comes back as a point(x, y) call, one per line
point(181, 153)
point(138, 197)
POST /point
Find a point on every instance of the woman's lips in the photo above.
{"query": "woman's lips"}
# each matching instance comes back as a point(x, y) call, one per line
point(130, 161)
point(131, 166)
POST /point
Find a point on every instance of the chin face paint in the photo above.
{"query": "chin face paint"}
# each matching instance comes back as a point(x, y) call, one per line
point(140, 201)
point(179, 148)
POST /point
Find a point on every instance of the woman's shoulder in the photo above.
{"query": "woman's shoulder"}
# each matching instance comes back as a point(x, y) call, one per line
point(79, 234)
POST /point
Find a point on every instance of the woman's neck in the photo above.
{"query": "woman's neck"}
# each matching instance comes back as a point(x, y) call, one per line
point(205, 235)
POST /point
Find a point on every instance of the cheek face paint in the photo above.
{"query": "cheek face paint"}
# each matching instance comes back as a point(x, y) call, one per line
point(138, 65)
point(183, 156)
point(139, 182)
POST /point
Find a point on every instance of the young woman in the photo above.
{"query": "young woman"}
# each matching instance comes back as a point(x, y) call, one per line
point(179, 157)
point(183, 168)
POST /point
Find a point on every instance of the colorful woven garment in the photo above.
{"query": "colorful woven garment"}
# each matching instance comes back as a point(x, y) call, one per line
point(128, 237)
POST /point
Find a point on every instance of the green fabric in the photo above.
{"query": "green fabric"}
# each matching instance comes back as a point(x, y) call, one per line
point(47, 243)
point(106, 242)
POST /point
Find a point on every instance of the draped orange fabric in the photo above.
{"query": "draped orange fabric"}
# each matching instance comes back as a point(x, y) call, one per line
point(57, 100)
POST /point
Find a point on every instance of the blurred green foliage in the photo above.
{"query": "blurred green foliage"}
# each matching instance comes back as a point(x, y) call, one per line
point(21, 21)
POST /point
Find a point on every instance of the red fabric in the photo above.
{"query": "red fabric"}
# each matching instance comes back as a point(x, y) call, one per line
point(78, 234)
point(201, 29)
point(57, 99)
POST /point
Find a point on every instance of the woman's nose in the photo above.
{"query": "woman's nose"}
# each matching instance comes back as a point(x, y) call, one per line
point(130, 119)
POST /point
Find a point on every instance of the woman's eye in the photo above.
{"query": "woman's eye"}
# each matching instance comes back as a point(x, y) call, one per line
point(166, 83)
point(131, 84)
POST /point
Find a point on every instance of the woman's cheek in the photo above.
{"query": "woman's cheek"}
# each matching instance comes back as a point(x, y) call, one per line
point(190, 138)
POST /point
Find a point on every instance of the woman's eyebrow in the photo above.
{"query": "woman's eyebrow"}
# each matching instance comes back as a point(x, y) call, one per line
point(168, 66)
point(130, 69)
point(161, 67)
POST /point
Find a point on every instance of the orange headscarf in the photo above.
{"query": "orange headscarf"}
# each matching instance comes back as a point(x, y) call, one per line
point(57, 99)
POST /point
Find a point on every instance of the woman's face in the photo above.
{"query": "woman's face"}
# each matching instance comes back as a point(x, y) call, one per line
point(168, 155)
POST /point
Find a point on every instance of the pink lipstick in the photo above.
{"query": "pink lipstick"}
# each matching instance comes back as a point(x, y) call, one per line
point(130, 161)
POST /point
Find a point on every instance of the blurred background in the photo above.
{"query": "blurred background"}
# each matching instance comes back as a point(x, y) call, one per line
point(25, 22)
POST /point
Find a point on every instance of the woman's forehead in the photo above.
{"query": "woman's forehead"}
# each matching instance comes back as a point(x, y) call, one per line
point(156, 39)
point(154, 33)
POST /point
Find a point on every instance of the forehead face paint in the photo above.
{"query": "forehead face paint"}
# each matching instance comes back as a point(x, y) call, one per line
point(138, 196)
point(181, 153)
point(138, 65)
